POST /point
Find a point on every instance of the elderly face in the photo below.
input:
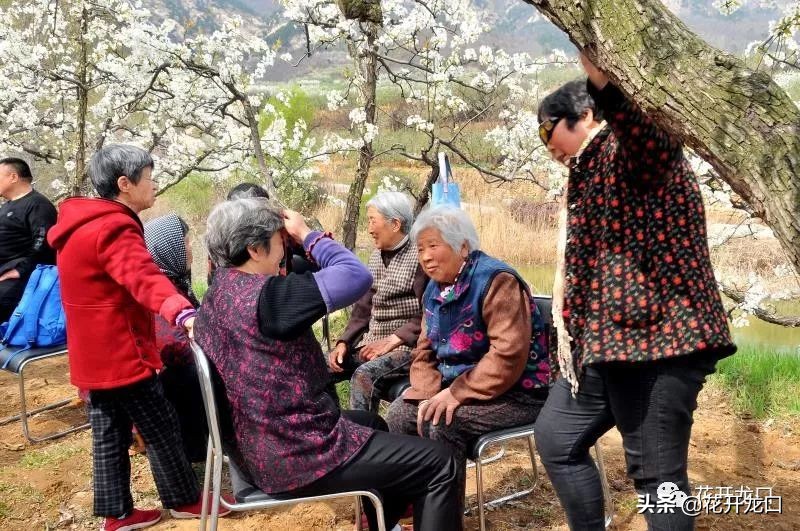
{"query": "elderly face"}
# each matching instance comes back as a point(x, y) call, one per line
point(385, 232)
point(440, 261)
point(564, 142)
point(265, 262)
point(142, 195)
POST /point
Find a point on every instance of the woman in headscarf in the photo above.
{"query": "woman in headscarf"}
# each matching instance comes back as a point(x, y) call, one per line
point(168, 241)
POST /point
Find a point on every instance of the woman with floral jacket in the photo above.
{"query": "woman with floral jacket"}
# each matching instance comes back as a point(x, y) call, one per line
point(639, 320)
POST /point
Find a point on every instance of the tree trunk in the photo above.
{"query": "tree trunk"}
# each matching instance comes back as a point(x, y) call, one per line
point(737, 119)
point(76, 187)
point(255, 139)
point(368, 65)
point(433, 175)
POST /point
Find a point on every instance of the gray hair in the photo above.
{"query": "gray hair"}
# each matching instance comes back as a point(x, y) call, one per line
point(453, 223)
point(235, 225)
point(113, 161)
point(394, 205)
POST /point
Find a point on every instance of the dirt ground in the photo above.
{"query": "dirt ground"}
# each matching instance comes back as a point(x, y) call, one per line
point(48, 485)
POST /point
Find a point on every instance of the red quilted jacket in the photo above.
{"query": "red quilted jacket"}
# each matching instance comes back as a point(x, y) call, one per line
point(110, 289)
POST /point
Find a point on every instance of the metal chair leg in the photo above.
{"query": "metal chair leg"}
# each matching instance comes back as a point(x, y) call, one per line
point(496, 457)
point(24, 414)
point(206, 484)
point(359, 527)
point(532, 452)
point(479, 483)
point(216, 489)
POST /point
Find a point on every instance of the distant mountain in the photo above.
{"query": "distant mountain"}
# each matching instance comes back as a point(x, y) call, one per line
point(517, 26)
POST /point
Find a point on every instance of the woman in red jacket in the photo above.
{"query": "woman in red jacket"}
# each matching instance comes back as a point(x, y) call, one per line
point(110, 289)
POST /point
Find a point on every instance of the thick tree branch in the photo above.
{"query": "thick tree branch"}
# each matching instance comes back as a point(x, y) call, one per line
point(737, 119)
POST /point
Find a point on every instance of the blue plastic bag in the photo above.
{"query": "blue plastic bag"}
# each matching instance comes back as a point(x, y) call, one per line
point(444, 191)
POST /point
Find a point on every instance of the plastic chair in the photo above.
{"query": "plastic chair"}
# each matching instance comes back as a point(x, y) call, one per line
point(248, 497)
point(14, 361)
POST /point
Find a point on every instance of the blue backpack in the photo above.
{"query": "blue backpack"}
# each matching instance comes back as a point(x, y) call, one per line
point(38, 320)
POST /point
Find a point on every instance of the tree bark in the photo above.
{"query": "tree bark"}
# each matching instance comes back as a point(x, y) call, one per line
point(76, 187)
point(368, 64)
point(737, 119)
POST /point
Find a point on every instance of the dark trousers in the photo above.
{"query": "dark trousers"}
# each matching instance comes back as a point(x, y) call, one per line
point(182, 389)
point(403, 470)
point(652, 404)
point(369, 380)
point(112, 414)
point(10, 295)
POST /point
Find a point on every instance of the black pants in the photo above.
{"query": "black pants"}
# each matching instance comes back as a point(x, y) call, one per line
point(402, 469)
point(652, 404)
point(182, 389)
point(10, 295)
point(112, 413)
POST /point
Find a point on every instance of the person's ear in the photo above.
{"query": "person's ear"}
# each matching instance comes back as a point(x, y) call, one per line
point(254, 253)
point(588, 117)
point(464, 251)
point(123, 183)
point(396, 225)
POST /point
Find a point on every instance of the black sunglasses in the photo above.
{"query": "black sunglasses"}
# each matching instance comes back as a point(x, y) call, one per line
point(546, 129)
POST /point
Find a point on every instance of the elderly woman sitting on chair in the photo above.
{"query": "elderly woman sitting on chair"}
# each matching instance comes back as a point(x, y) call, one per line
point(255, 328)
point(375, 348)
point(481, 361)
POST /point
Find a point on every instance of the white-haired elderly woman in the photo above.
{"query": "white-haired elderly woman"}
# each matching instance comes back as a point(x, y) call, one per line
point(481, 361)
point(291, 437)
point(375, 347)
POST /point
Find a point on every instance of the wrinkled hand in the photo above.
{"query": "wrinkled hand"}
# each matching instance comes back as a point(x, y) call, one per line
point(598, 78)
point(295, 225)
point(432, 410)
point(336, 357)
point(188, 325)
point(376, 349)
point(9, 275)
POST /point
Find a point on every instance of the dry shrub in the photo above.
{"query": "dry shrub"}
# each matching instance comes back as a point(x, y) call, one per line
point(513, 242)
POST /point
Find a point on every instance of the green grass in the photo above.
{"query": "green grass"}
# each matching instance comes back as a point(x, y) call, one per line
point(48, 457)
point(762, 383)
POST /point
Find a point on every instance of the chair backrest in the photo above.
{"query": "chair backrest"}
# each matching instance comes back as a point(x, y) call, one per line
point(204, 375)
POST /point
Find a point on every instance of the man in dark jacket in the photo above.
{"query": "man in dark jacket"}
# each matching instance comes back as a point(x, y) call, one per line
point(25, 218)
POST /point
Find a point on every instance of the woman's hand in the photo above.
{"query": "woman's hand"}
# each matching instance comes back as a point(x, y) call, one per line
point(188, 325)
point(336, 357)
point(431, 410)
point(295, 225)
point(376, 349)
point(598, 78)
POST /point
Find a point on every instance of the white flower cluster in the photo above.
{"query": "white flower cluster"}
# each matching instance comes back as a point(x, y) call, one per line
point(143, 83)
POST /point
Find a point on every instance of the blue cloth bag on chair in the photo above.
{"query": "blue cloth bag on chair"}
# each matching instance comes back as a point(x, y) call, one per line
point(38, 320)
point(444, 191)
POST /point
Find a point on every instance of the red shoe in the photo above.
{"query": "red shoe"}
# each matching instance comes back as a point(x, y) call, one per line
point(138, 519)
point(193, 510)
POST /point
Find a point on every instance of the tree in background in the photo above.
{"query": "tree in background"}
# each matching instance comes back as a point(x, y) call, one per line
point(426, 52)
point(80, 74)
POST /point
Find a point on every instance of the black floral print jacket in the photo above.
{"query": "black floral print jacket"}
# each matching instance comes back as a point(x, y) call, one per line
point(638, 279)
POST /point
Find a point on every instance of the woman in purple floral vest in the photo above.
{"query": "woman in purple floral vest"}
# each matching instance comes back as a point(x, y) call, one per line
point(255, 327)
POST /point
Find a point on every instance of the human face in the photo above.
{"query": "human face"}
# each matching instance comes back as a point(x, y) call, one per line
point(265, 262)
point(139, 196)
point(8, 181)
point(439, 261)
point(565, 142)
point(385, 232)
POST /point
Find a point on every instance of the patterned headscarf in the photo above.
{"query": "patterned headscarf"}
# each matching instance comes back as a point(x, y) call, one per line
point(166, 242)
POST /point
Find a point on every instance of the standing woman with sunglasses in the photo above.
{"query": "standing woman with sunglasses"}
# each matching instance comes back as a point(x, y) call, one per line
point(638, 316)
